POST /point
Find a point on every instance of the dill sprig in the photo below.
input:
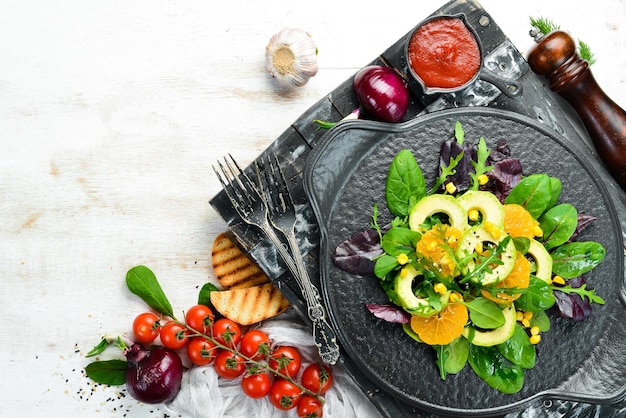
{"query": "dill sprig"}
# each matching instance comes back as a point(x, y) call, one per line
point(545, 26)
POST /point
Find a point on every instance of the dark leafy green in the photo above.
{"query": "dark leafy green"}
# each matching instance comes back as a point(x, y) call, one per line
point(495, 369)
point(451, 358)
point(356, 254)
point(107, 372)
point(558, 225)
point(576, 258)
point(204, 297)
point(537, 297)
point(485, 313)
point(405, 184)
point(143, 283)
point(518, 349)
point(534, 193)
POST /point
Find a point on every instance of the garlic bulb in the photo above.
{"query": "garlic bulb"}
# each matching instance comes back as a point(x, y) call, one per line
point(291, 57)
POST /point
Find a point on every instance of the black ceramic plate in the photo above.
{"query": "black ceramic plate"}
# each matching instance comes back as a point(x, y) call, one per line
point(345, 176)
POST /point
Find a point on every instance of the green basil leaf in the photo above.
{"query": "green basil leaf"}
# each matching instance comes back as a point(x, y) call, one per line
point(518, 349)
point(558, 224)
point(398, 241)
point(537, 297)
point(405, 184)
point(485, 313)
point(204, 297)
point(451, 358)
point(534, 193)
point(107, 372)
point(142, 282)
point(575, 258)
point(495, 370)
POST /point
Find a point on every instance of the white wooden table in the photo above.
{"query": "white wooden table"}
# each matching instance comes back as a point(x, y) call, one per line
point(111, 115)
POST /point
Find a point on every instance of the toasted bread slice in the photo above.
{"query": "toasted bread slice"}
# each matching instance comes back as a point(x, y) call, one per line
point(250, 305)
point(234, 269)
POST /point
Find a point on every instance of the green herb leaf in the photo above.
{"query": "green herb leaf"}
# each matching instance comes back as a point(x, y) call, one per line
point(107, 372)
point(558, 224)
point(576, 258)
point(537, 297)
point(98, 349)
point(385, 264)
point(495, 369)
point(446, 171)
point(534, 193)
point(204, 297)
point(398, 241)
point(544, 25)
point(459, 133)
point(451, 358)
point(585, 52)
point(485, 313)
point(142, 282)
point(581, 291)
point(405, 184)
point(479, 165)
point(518, 349)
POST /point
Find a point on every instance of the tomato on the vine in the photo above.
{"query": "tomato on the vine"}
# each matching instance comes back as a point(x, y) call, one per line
point(201, 351)
point(146, 327)
point(229, 365)
point(254, 344)
point(174, 335)
point(286, 360)
point(284, 394)
point(317, 378)
point(200, 318)
point(310, 407)
point(256, 385)
point(226, 332)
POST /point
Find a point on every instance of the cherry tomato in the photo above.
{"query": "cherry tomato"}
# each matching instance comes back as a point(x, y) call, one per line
point(229, 365)
point(317, 378)
point(256, 385)
point(174, 335)
point(201, 351)
point(286, 359)
point(284, 394)
point(310, 407)
point(200, 318)
point(146, 327)
point(254, 344)
point(226, 332)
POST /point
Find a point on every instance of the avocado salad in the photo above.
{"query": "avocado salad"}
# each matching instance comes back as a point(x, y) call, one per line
point(472, 264)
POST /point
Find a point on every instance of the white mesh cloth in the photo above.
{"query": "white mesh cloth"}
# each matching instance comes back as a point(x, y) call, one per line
point(204, 395)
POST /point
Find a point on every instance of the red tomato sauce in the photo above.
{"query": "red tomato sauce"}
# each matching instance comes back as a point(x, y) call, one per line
point(444, 53)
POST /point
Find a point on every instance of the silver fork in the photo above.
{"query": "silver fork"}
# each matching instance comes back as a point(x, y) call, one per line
point(282, 215)
point(251, 205)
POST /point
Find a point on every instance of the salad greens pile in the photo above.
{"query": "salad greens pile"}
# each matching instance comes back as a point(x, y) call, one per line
point(472, 264)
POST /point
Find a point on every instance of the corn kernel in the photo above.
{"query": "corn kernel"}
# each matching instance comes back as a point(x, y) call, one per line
point(404, 272)
point(525, 323)
point(440, 288)
point(519, 315)
point(489, 226)
point(455, 297)
point(483, 179)
point(479, 248)
point(450, 187)
point(528, 315)
point(558, 280)
point(537, 231)
point(535, 339)
point(432, 245)
point(402, 259)
point(496, 233)
point(534, 330)
point(549, 281)
point(473, 214)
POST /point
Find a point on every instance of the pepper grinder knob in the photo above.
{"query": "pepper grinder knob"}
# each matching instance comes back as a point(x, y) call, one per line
point(555, 58)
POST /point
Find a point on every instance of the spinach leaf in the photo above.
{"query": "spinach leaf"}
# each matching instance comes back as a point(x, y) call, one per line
point(575, 258)
point(537, 297)
point(558, 224)
point(405, 184)
point(398, 241)
point(540, 319)
point(534, 193)
point(385, 264)
point(204, 297)
point(518, 349)
point(143, 283)
point(485, 313)
point(495, 369)
point(451, 358)
point(555, 191)
point(107, 372)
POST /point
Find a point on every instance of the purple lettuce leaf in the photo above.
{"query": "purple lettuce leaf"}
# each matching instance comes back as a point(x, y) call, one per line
point(505, 175)
point(389, 313)
point(584, 221)
point(572, 305)
point(355, 255)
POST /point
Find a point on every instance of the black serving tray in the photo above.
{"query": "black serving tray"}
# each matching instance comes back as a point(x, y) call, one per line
point(294, 145)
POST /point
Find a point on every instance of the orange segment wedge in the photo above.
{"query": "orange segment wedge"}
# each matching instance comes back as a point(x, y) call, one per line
point(518, 222)
point(443, 327)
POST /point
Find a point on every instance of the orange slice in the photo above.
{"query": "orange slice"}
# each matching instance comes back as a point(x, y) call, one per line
point(518, 222)
point(443, 327)
point(518, 278)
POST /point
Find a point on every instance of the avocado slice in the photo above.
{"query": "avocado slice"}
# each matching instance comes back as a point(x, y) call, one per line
point(403, 285)
point(486, 203)
point(543, 260)
point(438, 203)
point(477, 235)
point(495, 336)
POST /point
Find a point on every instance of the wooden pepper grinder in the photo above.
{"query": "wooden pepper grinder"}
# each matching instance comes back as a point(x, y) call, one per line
point(555, 58)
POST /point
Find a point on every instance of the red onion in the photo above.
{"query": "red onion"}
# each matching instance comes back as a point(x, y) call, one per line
point(153, 376)
point(382, 93)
